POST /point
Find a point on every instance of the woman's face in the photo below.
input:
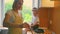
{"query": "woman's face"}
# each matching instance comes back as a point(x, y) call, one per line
point(19, 4)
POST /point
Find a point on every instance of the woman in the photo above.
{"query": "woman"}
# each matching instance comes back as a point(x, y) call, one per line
point(13, 18)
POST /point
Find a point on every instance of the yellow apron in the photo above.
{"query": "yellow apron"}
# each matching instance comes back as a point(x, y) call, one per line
point(17, 20)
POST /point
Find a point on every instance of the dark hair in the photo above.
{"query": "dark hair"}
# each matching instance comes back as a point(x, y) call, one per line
point(14, 4)
point(34, 9)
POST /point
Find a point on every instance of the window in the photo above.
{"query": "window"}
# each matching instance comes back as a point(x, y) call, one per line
point(27, 10)
point(7, 5)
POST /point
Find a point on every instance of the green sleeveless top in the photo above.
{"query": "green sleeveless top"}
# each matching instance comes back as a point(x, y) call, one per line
point(16, 20)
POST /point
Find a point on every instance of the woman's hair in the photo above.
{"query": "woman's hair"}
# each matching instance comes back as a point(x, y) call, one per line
point(14, 4)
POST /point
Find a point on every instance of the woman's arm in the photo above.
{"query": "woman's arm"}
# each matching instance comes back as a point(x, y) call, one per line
point(6, 22)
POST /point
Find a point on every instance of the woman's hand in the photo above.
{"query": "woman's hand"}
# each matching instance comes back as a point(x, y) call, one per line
point(25, 25)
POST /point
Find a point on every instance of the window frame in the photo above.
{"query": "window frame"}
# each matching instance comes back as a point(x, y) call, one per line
point(2, 12)
point(36, 3)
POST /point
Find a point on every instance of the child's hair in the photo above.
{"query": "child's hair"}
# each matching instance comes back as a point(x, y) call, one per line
point(34, 9)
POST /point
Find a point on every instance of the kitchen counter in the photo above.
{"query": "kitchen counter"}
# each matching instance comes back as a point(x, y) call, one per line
point(3, 30)
point(46, 31)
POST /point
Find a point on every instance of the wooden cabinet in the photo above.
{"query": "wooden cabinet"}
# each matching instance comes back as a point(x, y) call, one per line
point(44, 16)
